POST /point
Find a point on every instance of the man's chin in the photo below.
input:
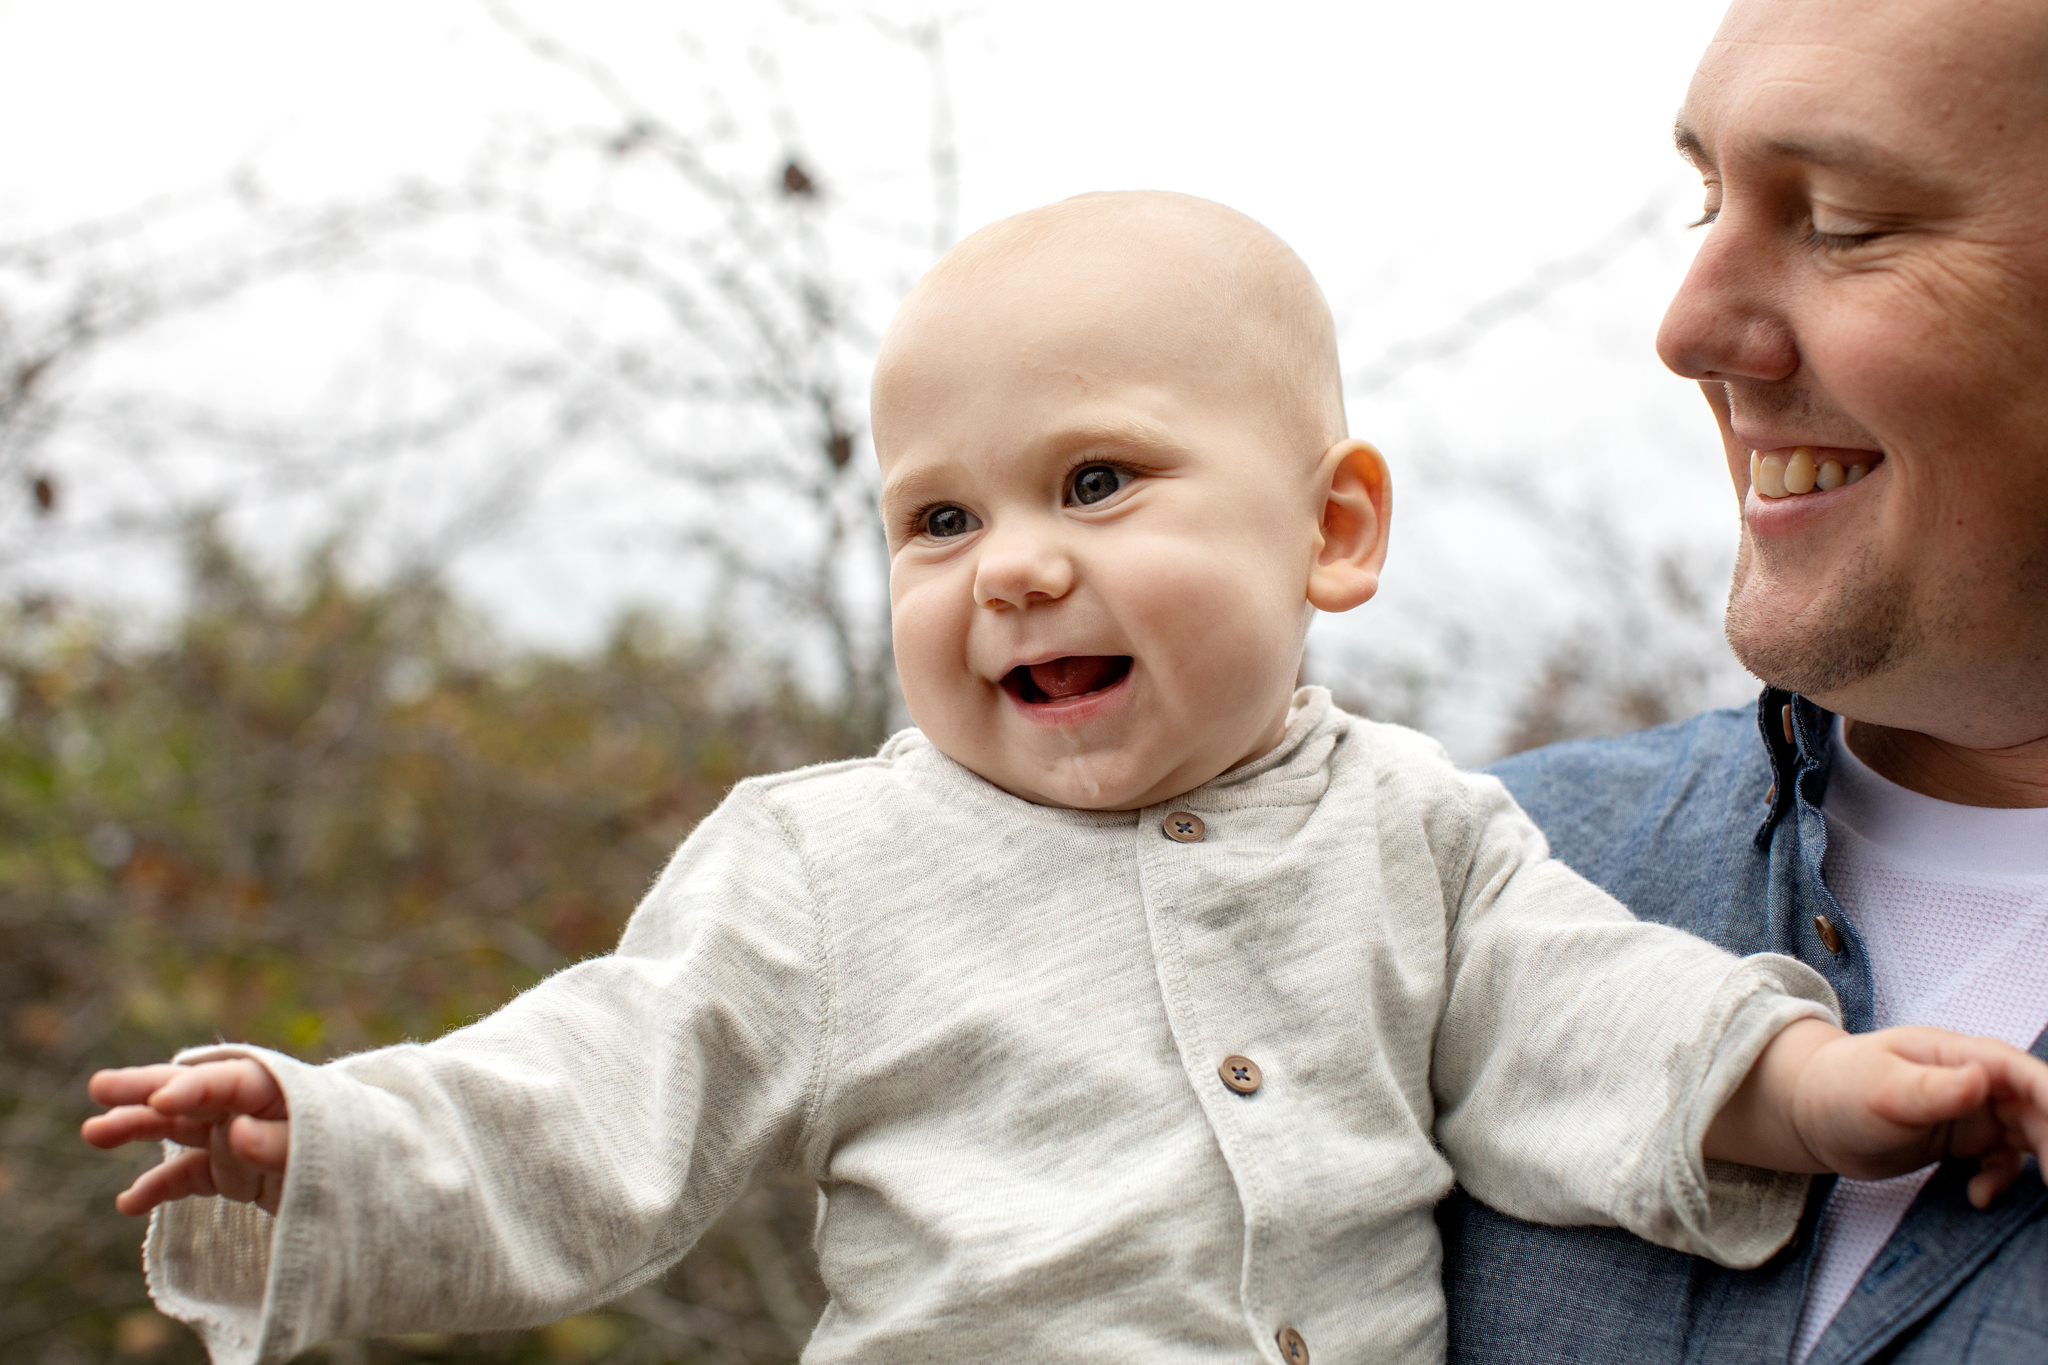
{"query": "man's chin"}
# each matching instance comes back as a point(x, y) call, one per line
point(1819, 646)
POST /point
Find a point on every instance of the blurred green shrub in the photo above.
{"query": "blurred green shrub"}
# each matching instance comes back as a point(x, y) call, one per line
point(324, 820)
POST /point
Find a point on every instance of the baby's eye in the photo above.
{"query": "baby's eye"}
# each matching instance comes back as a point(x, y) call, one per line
point(942, 523)
point(1093, 483)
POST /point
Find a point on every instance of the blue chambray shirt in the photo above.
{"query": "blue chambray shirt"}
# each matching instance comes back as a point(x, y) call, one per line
point(1704, 826)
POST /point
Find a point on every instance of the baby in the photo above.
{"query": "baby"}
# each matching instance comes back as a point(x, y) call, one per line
point(1136, 1006)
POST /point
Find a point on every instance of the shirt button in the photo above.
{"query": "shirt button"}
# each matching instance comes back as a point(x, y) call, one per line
point(1240, 1074)
point(1293, 1349)
point(1830, 937)
point(1185, 828)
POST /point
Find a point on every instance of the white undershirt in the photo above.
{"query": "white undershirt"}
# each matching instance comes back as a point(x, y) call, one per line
point(1952, 905)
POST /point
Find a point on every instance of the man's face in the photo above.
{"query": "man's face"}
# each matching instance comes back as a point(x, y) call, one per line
point(1874, 288)
point(1098, 547)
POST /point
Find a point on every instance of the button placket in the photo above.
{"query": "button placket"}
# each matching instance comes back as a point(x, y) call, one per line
point(1830, 937)
point(1171, 877)
point(1206, 954)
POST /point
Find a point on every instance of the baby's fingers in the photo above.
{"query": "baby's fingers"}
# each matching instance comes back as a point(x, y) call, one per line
point(130, 1084)
point(2016, 1087)
point(1995, 1173)
point(212, 1091)
point(179, 1177)
point(2013, 1073)
point(2026, 1128)
point(1914, 1095)
point(2021, 1080)
point(140, 1123)
point(264, 1144)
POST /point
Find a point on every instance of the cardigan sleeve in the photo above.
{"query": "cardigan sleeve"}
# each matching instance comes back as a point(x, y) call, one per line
point(1582, 1053)
point(548, 1158)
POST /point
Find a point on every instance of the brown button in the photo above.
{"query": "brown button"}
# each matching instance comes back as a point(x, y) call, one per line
point(1240, 1074)
point(1785, 719)
point(1293, 1349)
point(1184, 828)
point(1830, 937)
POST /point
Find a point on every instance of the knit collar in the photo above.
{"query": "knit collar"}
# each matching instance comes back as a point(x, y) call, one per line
point(1295, 771)
point(1302, 755)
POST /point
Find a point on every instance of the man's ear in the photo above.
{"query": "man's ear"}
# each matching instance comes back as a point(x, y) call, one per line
point(1351, 539)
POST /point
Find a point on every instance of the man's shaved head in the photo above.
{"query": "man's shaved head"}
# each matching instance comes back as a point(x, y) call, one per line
point(1156, 283)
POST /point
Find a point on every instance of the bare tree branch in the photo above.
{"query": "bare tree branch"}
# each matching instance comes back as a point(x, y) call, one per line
point(1530, 293)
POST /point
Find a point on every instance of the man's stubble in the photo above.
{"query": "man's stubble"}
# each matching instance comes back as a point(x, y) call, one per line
point(1836, 641)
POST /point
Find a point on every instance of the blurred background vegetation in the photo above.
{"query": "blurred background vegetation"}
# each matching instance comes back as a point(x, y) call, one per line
point(276, 472)
point(324, 819)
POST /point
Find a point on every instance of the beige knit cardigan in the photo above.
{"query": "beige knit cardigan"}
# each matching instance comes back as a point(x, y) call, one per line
point(990, 1031)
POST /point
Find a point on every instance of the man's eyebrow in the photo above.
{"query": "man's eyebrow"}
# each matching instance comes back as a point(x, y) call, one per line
point(1844, 152)
point(1689, 145)
point(1852, 154)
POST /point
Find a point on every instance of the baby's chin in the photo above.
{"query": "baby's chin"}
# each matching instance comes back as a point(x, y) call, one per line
point(1108, 781)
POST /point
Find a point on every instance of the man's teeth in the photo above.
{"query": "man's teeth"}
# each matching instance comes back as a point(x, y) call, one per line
point(1787, 474)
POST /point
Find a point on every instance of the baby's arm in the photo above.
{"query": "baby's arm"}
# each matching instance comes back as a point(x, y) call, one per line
point(544, 1159)
point(229, 1114)
point(1880, 1104)
point(1584, 1057)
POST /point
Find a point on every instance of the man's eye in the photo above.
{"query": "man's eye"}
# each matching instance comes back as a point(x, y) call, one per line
point(1095, 482)
point(1838, 234)
point(942, 523)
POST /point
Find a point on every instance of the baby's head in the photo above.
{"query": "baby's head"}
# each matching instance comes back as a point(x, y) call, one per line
point(1116, 485)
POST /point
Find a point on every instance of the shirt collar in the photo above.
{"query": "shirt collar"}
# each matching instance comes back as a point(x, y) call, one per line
point(1795, 734)
point(1296, 771)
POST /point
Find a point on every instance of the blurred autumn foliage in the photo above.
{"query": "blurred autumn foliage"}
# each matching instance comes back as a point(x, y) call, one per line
point(327, 819)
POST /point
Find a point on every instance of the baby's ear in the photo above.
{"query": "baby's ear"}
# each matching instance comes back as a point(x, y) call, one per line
point(1351, 539)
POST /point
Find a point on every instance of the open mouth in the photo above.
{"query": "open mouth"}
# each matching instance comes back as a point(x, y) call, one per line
point(1799, 470)
point(1067, 678)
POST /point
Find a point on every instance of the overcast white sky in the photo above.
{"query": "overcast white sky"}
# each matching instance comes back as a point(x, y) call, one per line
point(1421, 158)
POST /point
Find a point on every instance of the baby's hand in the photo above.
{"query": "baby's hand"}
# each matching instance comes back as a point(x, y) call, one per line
point(232, 1113)
point(1880, 1104)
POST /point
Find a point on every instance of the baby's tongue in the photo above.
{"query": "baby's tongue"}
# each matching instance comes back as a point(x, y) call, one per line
point(1073, 675)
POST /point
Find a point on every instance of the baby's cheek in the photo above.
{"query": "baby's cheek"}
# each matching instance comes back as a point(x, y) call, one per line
point(1222, 639)
point(930, 637)
point(1204, 596)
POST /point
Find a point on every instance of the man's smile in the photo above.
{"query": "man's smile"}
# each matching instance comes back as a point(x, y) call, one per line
point(1797, 471)
point(1795, 488)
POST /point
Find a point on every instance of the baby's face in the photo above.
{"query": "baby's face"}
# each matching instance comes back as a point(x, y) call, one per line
point(1100, 537)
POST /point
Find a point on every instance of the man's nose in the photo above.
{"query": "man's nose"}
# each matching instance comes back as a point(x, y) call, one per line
point(1727, 321)
point(1020, 568)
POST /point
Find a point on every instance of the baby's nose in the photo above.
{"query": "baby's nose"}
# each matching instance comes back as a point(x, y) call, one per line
point(1015, 570)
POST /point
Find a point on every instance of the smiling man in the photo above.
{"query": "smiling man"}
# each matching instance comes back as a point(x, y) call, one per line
point(1868, 318)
